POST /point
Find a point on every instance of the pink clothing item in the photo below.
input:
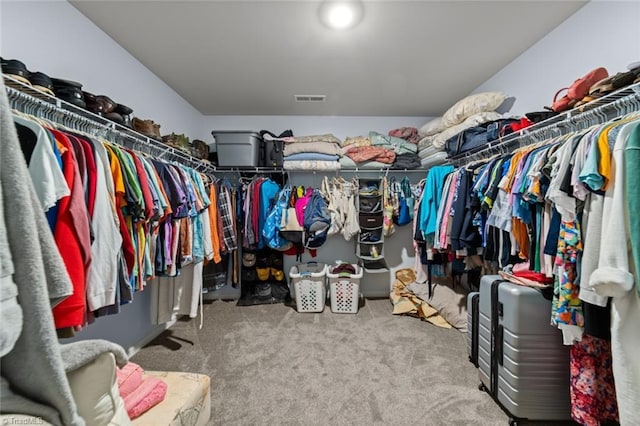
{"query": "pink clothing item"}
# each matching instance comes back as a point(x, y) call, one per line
point(361, 154)
point(129, 378)
point(146, 396)
point(593, 391)
point(444, 226)
point(409, 134)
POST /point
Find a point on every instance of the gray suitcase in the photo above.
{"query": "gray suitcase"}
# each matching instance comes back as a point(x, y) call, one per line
point(472, 327)
point(522, 361)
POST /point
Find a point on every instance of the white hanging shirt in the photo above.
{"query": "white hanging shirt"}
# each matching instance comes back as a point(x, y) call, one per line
point(46, 174)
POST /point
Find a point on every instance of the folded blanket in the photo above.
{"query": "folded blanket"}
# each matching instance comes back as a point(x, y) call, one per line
point(376, 153)
point(356, 141)
point(316, 138)
point(312, 156)
point(398, 145)
point(409, 134)
point(129, 378)
point(78, 354)
point(426, 142)
point(426, 152)
point(310, 165)
point(330, 148)
point(406, 161)
point(434, 160)
point(348, 163)
point(146, 396)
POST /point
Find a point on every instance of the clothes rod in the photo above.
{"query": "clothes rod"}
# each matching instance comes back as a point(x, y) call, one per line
point(267, 170)
point(613, 105)
point(31, 101)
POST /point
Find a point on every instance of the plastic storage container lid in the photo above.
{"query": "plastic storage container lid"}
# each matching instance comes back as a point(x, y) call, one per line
point(233, 132)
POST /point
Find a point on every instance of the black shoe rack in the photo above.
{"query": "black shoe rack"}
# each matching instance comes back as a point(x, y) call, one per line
point(370, 243)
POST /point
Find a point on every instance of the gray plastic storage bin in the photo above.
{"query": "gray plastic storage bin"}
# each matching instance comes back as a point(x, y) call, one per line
point(238, 148)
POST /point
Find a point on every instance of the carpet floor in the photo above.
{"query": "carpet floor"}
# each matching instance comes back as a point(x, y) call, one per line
point(270, 365)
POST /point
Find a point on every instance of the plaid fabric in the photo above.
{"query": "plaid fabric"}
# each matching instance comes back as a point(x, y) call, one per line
point(249, 238)
point(228, 220)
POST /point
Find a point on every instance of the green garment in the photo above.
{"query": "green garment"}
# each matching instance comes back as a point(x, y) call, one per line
point(632, 189)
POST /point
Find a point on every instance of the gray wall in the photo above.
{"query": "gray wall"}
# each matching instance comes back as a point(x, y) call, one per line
point(55, 38)
point(600, 34)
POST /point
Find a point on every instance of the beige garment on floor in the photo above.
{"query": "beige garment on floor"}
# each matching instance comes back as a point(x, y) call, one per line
point(405, 302)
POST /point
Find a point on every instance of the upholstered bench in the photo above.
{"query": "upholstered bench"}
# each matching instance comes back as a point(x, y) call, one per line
point(95, 390)
point(187, 402)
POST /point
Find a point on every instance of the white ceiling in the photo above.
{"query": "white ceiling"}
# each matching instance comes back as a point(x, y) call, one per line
point(406, 58)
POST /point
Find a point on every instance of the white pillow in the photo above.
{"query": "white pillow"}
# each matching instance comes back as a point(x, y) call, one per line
point(432, 127)
point(441, 138)
point(472, 104)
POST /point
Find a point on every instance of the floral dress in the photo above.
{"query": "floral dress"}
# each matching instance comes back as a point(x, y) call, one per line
point(593, 394)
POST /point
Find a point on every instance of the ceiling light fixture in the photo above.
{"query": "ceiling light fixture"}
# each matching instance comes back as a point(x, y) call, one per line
point(341, 15)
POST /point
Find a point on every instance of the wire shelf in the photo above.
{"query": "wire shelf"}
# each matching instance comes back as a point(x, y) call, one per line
point(25, 98)
point(612, 105)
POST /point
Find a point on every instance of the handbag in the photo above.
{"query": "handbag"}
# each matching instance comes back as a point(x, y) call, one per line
point(270, 232)
point(290, 228)
point(578, 90)
point(272, 148)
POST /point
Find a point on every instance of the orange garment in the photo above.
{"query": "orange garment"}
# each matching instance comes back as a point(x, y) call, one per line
point(604, 165)
point(521, 235)
point(186, 236)
point(118, 179)
point(508, 178)
point(213, 222)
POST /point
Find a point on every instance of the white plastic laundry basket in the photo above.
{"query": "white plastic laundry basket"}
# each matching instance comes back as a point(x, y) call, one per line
point(309, 286)
point(345, 290)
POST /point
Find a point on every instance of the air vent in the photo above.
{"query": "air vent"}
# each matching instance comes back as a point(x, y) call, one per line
point(310, 98)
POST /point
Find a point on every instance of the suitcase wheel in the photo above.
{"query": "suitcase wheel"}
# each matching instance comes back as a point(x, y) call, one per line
point(482, 387)
point(513, 422)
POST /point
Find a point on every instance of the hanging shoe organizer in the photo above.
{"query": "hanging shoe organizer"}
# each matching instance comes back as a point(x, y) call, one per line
point(370, 243)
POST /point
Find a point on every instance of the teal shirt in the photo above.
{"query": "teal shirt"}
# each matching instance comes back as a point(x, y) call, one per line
point(632, 192)
point(431, 198)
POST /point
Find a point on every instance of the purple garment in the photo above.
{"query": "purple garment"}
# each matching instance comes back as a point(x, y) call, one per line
point(172, 187)
point(182, 209)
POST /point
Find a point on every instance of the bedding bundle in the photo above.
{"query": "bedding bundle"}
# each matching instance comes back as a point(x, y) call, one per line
point(471, 111)
point(317, 152)
point(379, 151)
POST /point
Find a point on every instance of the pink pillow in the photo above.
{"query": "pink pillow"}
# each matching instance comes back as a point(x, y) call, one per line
point(129, 378)
point(149, 394)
